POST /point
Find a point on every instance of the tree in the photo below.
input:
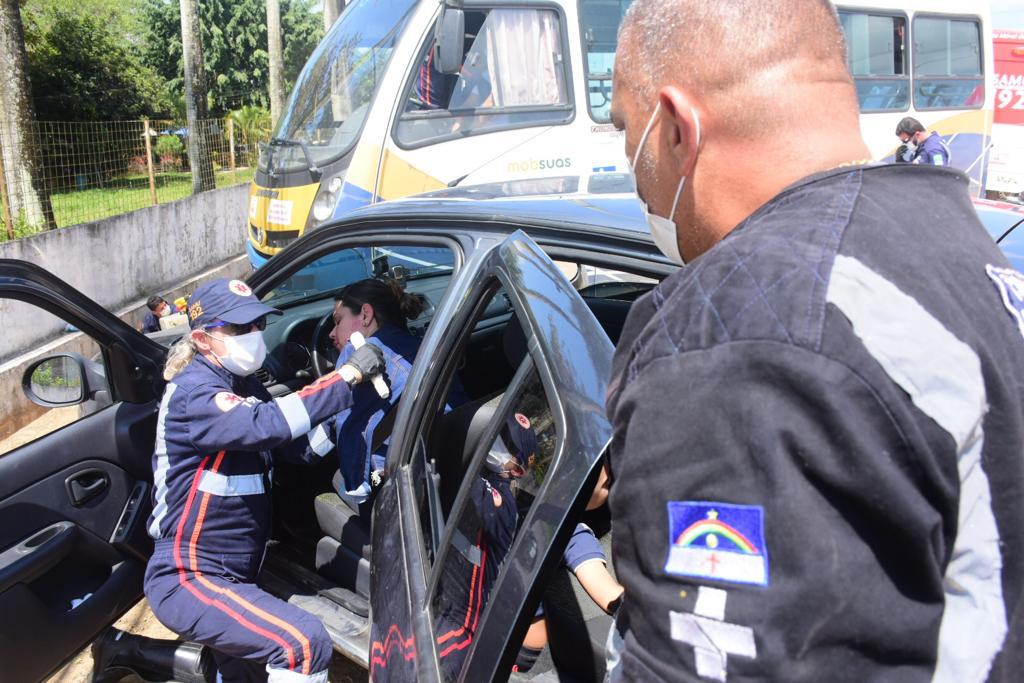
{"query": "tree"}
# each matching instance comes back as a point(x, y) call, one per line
point(235, 49)
point(83, 69)
point(200, 159)
point(275, 58)
point(26, 191)
point(332, 10)
point(253, 123)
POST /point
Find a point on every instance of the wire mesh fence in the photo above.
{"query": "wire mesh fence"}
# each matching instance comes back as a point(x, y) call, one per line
point(55, 174)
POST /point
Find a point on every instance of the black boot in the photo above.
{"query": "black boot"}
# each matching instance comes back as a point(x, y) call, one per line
point(117, 654)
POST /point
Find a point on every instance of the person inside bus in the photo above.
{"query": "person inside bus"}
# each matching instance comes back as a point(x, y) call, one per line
point(919, 146)
point(380, 310)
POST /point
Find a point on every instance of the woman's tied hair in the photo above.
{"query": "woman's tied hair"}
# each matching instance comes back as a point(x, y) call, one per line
point(392, 305)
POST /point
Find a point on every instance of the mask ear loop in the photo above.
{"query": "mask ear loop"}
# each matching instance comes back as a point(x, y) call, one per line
point(682, 181)
point(643, 138)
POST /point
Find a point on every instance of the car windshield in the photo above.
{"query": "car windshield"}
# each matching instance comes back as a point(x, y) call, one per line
point(335, 90)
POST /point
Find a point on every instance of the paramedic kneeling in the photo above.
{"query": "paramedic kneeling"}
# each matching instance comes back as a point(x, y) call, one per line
point(211, 509)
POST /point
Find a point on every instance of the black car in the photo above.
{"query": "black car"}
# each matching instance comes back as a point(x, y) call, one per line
point(526, 299)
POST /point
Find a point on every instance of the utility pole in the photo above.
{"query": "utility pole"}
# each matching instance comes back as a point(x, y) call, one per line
point(26, 189)
point(196, 110)
point(276, 60)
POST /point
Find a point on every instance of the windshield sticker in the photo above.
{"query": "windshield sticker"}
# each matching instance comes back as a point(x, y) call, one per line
point(717, 541)
point(280, 212)
point(1010, 284)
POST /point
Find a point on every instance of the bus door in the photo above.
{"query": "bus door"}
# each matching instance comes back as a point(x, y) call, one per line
point(507, 114)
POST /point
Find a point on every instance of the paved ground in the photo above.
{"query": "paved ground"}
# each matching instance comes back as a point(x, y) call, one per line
point(140, 620)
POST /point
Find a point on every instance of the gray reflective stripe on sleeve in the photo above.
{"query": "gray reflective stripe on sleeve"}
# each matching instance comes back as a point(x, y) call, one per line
point(320, 440)
point(294, 414)
point(467, 549)
point(231, 485)
point(943, 378)
point(162, 464)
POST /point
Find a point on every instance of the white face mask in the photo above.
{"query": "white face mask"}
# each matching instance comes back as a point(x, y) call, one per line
point(663, 230)
point(245, 353)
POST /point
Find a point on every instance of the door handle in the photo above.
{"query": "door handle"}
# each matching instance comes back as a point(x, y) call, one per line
point(85, 485)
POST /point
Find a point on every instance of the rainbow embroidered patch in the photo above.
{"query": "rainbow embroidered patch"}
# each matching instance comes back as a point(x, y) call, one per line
point(717, 541)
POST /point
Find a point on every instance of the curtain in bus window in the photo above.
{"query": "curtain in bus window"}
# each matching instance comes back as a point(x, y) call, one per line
point(523, 55)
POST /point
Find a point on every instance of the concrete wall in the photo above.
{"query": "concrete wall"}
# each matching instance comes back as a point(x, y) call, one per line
point(119, 262)
point(127, 258)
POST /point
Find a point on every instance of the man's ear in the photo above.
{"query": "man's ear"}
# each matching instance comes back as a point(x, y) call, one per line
point(681, 126)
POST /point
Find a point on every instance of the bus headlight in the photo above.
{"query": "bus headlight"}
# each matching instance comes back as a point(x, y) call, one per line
point(327, 199)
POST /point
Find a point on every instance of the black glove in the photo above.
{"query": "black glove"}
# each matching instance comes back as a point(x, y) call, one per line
point(368, 360)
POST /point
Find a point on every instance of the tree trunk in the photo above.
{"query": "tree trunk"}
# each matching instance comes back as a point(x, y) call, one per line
point(196, 110)
point(26, 189)
point(332, 10)
point(276, 60)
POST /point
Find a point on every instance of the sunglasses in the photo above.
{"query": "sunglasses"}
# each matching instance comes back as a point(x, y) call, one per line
point(235, 329)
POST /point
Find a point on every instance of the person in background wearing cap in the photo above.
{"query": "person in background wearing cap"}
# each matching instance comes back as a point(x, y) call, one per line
point(212, 466)
point(818, 421)
point(919, 146)
point(158, 308)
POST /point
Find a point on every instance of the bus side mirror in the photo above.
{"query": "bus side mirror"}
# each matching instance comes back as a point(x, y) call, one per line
point(448, 40)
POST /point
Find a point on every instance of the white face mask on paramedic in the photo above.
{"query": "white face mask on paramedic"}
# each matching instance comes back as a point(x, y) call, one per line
point(663, 230)
point(245, 353)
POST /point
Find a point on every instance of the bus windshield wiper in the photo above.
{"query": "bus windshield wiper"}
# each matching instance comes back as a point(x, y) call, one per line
point(310, 164)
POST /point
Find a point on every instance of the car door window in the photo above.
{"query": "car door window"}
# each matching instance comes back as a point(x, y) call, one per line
point(59, 381)
point(513, 75)
point(489, 457)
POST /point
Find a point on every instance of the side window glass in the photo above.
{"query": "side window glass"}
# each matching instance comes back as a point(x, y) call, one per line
point(513, 75)
point(72, 378)
point(600, 21)
point(947, 63)
point(299, 342)
point(876, 55)
point(478, 468)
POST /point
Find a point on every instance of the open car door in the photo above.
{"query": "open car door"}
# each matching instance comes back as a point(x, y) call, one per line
point(462, 554)
point(74, 476)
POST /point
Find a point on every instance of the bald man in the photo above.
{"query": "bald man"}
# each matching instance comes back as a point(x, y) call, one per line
point(818, 452)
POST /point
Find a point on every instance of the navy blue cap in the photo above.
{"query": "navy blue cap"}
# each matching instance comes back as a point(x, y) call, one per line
point(524, 441)
point(229, 300)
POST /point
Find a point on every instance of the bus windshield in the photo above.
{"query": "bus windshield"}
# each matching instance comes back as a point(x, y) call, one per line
point(334, 92)
point(600, 25)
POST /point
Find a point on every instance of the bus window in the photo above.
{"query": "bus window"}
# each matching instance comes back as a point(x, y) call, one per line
point(947, 63)
point(876, 55)
point(513, 75)
point(335, 89)
point(600, 21)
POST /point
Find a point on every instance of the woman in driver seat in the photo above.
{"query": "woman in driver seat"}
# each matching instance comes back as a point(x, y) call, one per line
point(379, 309)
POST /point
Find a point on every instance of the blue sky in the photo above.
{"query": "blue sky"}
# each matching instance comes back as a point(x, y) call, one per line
point(1007, 14)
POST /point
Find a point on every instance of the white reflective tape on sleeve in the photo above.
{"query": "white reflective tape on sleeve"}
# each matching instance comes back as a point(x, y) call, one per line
point(942, 376)
point(231, 485)
point(320, 440)
point(162, 464)
point(294, 414)
point(289, 676)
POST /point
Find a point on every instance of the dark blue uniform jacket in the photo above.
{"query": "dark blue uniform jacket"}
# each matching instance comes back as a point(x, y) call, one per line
point(817, 450)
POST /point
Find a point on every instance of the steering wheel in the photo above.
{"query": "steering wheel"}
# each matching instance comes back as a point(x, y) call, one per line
point(322, 363)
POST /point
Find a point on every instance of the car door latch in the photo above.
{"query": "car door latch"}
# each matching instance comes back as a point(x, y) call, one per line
point(85, 485)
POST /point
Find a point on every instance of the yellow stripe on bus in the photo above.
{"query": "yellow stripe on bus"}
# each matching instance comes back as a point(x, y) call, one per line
point(399, 178)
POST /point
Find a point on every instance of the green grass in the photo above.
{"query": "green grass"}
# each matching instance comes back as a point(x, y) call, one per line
point(124, 194)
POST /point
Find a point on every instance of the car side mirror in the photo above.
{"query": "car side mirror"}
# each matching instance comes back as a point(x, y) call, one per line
point(449, 37)
point(64, 379)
